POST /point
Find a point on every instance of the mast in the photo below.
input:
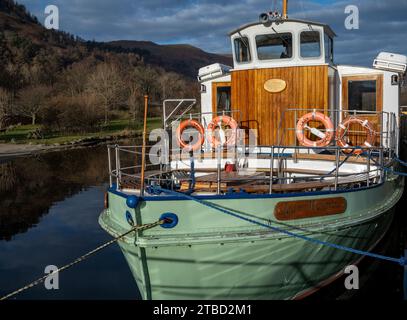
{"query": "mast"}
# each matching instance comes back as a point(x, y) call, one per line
point(285, 9)
point(143, 150)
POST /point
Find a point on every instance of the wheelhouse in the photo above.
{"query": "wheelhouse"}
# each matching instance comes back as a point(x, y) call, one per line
point(283, 69)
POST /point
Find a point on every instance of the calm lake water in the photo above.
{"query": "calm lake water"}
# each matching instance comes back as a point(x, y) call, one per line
point(49, 208)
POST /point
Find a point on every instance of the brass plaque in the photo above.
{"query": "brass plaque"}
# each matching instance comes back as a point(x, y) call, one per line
point(275, 85)
point(304, 209)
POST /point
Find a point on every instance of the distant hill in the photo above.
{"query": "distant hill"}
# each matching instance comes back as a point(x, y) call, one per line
point(49, 76)
point(26, 38)
point(16, 10)
point(16, 21)
point(181, 58)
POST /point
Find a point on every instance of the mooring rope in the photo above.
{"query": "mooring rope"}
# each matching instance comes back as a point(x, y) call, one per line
point(397, 173)
point(402, 261)
point(387, 169)
point(83, 257)
point(403, 163)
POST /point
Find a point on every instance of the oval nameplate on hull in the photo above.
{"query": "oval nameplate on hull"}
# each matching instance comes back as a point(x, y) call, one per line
point(304, 209)
point(275, 85)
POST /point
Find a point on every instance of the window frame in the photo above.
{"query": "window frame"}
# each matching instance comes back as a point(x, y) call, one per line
point(379, 90)
point(234, 49)
point(321, 48)
point(331, 57)
point(376, 118)
point(215, 86)
point(219, 91)
point(373, 81)
point(293, 49)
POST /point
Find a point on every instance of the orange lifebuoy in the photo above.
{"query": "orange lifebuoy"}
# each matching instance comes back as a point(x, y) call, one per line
point(324, 138)
point(197, 126)
point(220, 121)
point(341, 133)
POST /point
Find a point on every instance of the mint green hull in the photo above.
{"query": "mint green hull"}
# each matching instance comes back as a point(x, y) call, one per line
point(210, 255)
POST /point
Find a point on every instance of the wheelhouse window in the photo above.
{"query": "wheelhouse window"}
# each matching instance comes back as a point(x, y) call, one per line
point(362, 95)
point(223, 99)
point(242, 49)
point(274, 46)
point(329, 48)
point(310, 44)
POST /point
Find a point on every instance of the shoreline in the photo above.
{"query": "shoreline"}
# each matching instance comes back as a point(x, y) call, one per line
point(10, 151)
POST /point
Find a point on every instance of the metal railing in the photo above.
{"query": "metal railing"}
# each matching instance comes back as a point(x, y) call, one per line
point(386, 123)
point(279, 173)
point(124, 161)
point(177, 105)
point(175, 110)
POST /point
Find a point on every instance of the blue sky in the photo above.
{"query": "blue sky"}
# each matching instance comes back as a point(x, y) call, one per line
point(205, 24)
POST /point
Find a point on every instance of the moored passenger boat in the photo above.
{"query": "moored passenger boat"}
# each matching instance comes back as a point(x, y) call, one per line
point(288, 152)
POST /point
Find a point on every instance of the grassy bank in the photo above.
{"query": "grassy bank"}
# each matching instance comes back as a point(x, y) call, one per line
point(19, 134)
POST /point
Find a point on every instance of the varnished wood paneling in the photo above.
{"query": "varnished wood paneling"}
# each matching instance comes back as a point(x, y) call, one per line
point(307, 88)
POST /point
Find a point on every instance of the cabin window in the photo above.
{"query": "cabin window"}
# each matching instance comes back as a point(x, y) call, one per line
point(242, 49)
point(310, 44)
point(329, 48)
point(362, 95)
point(223, 101)
point(274, 46)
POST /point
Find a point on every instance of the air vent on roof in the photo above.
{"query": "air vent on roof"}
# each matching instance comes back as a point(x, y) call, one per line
point(213, 71)
point(391, 62)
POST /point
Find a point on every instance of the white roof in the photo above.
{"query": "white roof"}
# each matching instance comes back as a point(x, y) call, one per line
point(326, 27)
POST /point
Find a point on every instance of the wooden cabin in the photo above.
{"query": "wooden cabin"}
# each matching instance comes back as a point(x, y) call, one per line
point(286, 64)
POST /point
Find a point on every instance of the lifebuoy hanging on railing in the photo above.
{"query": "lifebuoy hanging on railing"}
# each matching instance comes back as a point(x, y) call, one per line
point(221, 140)
point(191, 123)
point(325, 138)
point(343, 128)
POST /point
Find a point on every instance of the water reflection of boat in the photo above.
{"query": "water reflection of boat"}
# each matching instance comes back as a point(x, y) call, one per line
point(326, 137)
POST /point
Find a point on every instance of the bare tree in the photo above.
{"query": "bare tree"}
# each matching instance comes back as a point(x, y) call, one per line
point(135, 100)
point(74, 79)
point(32, 100)
point(107, 84)
point(146, 78)
point(171, 85)
point(5, 106)
point(141, 81)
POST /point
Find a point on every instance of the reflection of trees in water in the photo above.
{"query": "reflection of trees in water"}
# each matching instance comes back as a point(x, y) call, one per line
point(32, 185)
point(8, 178)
